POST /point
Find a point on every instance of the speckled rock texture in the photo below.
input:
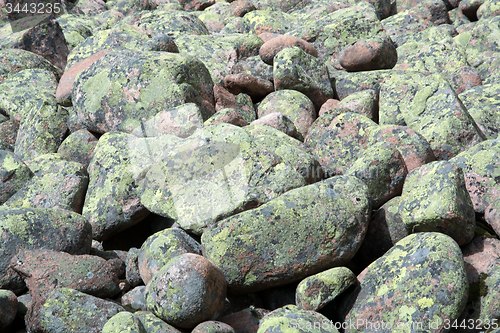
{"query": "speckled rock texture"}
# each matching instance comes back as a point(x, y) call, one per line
point(285, 144)
point(316, 291)
point(114, 95)
point(293, 104)
point(427, 104)
point(13, 175)
point(295, 69)
point(292, 318)
point(435, 198)
point(33, 228)
point(45, 270)
point(383, 170)
point(421, 280)
point(213, 327)
point(68, 310)
point(248, 247)
point(188, 290)
point(337, 143)
point(162, 247)
point(58, 184)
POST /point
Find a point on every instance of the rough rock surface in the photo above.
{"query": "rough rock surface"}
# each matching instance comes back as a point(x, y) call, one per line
point(294, 144)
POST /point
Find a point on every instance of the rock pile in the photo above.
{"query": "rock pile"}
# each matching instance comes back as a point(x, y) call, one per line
point(251, 166)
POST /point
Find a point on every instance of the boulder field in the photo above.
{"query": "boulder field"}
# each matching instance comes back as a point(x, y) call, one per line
point(250, 166)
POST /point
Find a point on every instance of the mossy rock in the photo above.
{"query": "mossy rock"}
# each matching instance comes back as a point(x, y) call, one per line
point(478, 43)
point(294, 69)
point(109, 39)
point(112, 201)
point(26, 90)
point(8, 309)
point(161, 247)
point(267, 20)
point(153, 324)
point(481, 170)
point(181, 121)
point(13, 175)
point(16, 60)
point(293, 104)
point(338, 29)
point(33, 228)
point(482, 103)
point(415, 149)
point(290, 318)
point(341, 143)
point(271, 245)
point(174, 23)
point(220, 159)
point(428, 104)
point(68, 310)
point(383, 169)
point(402, 26)
point(124, 88)
point(124, 322)
point(75, 28)
point(415, 278)
point(42, 130)
point(78, 147)
point(435, 198)
point(347, 83)
point(62, 185)
point(219, 53)
point(316, 291)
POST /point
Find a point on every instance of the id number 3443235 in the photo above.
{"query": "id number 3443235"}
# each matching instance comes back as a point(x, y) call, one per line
point(33, 8)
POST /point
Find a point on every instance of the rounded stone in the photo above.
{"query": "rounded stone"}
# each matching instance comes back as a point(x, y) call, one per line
point(187, 291)
point(270, 48)
point(370, 53)
point(8, 309)
point(213, 327)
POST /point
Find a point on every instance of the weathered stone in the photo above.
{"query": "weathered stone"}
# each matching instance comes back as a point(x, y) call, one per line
point(371, 53)
point(272, 47)
point(482, 102)
point(134, 299)
point(45, 270)
point(316, 291)
point(8, 309)
point(341, 142)
point(41, 131)
point(32, 228)
point(248, 84)
point(153, 324)
point(162, 247)
point(383, 170)
point(480, 166)
point(135, 96)
point(364, 102)
point(60, 184)
point(255, 252)
point(293, 104)
point(291, 317)
point(112, 202)
point(16, 60)
point(65, 87)
point(420, 281)
point(13, 175)
point(435, 198)
point(347, 83)
point(68, 310)
point(294, 69)
point(280, 122)
point(415, 149)
point(429, 105)
point(228, 116)
point(213, 327)
point(188, 290)
point(123, 322)
point(78, 147)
